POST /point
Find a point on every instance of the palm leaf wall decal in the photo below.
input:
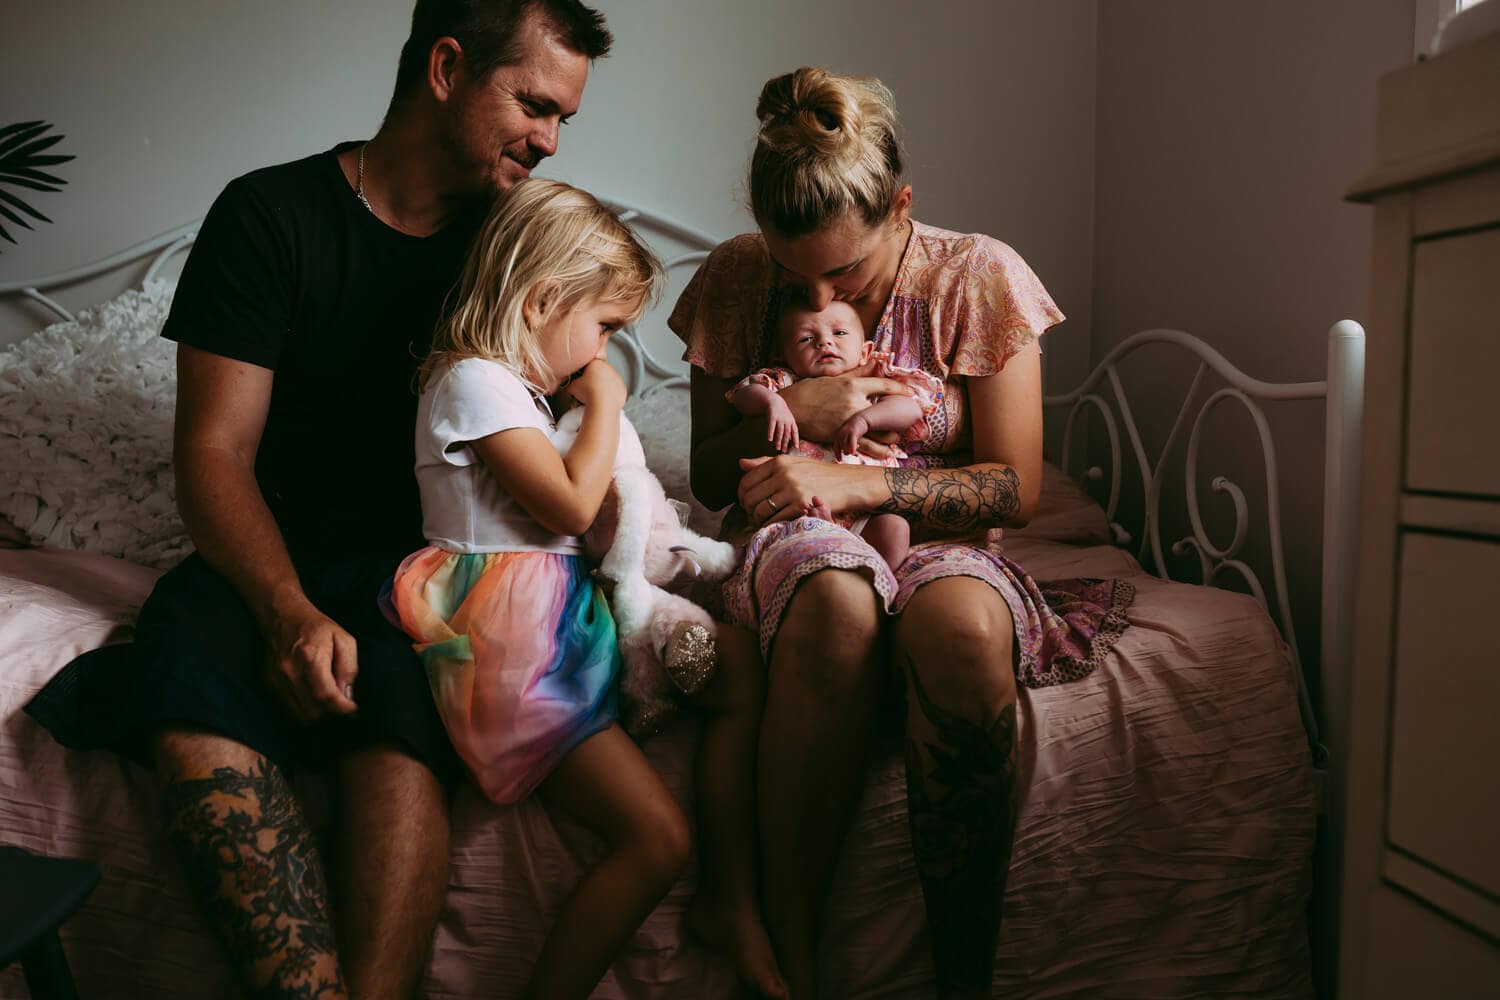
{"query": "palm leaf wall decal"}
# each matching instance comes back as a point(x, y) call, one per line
point(23, 153)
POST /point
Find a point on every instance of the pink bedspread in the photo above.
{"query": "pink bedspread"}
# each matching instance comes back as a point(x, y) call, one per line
point(1164, 848)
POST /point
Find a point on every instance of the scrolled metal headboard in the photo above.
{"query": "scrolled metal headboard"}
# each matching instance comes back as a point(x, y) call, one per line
point(160, 249)
point(689, 247)
point(1343, 391)
point(679, 244)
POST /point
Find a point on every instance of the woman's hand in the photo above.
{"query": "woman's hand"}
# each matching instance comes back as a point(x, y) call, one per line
point(823, 405)
point(781, 488)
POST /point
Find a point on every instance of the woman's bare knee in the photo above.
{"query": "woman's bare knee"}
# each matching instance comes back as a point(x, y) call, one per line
point(828, 638)
point(959, 639)
point(833, 597)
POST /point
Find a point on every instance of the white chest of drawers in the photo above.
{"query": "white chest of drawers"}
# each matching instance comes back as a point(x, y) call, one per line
point(1421, 895)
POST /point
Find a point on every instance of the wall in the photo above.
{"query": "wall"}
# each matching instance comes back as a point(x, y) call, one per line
point(1227, 134)
point(162, 101)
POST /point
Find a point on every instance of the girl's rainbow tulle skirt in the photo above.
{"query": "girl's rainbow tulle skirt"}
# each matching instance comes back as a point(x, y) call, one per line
point(520, 652)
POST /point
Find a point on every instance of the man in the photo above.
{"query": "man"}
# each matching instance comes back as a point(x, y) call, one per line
point(301, 315)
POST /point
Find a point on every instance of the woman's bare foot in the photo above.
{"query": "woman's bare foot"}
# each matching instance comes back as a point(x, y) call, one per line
point(739, 934)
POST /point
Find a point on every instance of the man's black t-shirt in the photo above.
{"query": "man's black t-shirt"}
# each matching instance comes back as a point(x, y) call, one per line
point(291, 272)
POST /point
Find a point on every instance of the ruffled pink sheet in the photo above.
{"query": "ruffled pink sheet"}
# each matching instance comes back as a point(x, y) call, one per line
point(1164, 849)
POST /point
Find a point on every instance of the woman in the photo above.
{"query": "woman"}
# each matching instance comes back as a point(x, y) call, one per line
point(834, 217)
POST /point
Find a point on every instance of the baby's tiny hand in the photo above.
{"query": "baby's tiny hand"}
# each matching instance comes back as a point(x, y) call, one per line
point(781, 426)
point(847, 440)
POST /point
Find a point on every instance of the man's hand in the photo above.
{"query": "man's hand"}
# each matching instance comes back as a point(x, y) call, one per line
point(311, 663)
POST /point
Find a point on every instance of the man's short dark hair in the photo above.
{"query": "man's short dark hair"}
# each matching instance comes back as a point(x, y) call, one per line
point(489, 32)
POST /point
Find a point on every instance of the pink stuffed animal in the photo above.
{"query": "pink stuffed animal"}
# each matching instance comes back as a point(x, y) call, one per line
point(643, 548)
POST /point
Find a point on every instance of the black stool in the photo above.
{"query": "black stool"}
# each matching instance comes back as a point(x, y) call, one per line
point(38, 895)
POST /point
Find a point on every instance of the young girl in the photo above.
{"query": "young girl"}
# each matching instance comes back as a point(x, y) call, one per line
point(517, 639)
point(826, 342)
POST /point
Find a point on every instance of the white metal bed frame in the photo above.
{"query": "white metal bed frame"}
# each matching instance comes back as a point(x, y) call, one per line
point(1343, 391)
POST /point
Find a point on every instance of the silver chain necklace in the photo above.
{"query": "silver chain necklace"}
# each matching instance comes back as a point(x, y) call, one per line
point(359, 185)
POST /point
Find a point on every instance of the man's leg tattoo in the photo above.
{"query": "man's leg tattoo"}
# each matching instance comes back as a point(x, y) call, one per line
point(254, 867)
point(962, 801)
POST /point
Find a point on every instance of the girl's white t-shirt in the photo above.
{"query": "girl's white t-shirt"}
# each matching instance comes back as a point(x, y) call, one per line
point(463, 507)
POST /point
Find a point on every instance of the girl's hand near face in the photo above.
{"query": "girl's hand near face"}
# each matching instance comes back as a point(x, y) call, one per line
point(598, 385)
point(563, 493)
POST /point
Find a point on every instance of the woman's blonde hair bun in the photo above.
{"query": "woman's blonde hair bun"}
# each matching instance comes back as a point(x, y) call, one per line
point(827, 145)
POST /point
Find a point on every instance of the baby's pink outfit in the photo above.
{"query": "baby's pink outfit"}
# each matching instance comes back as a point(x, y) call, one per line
point(926, 389)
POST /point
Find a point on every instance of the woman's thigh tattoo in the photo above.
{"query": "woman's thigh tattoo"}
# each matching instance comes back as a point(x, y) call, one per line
point(962, 800)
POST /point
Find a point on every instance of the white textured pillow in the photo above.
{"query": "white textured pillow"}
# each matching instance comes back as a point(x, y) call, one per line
point(86, 432)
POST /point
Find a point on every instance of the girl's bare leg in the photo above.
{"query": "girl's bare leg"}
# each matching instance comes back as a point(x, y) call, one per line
point(821, 705)
point(726, 911)
point(955, 642)
point(609, 786)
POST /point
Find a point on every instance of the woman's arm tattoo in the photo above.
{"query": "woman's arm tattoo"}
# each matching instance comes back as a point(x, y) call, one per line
point(958, 499)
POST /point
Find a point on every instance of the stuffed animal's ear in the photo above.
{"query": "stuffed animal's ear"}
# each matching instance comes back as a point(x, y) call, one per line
point(682, 509)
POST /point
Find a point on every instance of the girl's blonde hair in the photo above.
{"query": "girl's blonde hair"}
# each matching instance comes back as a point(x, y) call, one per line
point(827, 146)
point(546, 239)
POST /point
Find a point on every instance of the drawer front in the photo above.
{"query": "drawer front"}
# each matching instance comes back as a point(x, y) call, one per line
point(1414, 952)
point(1453, 406)
point(1445, 740)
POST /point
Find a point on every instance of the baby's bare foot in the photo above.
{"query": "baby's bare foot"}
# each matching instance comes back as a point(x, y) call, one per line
point(817, 508)
point(738, 934)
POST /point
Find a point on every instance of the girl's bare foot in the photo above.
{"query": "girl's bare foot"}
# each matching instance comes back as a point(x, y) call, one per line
point(739, 934)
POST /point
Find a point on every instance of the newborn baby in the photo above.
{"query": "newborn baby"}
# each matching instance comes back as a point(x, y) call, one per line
point(831, 341)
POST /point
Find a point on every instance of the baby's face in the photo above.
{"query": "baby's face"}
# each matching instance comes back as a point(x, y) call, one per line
point(829, 342)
